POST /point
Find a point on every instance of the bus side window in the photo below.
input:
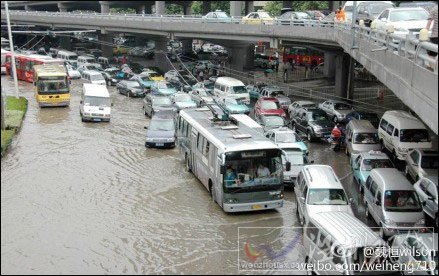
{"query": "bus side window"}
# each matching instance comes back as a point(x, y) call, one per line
point(206, 148)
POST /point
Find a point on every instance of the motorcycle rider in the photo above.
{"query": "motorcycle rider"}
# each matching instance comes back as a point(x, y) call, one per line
point(337, 133)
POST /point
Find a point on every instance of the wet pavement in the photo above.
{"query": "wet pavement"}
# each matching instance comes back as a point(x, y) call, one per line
point(90, 198)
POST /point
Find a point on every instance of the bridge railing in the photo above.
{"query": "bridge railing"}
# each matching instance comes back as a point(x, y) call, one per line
point(408, 47)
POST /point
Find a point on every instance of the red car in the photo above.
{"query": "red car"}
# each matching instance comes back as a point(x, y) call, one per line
point(268, 106)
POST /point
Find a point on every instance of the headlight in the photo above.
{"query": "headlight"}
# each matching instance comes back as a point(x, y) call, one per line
point(149, 139)
point(420, 222)
point(231, 200)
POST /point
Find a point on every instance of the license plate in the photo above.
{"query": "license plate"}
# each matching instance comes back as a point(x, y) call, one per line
point(159, 144)
point(97, 120)
point(256, 207)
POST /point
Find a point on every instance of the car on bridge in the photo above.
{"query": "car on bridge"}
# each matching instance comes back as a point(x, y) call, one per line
point(404, 20)
point(217, 16)
point(296, 18)
point(336, 110)
point(369, 11)
point(259, 17)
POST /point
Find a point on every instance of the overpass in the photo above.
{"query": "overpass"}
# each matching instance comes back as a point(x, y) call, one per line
point(405, 68)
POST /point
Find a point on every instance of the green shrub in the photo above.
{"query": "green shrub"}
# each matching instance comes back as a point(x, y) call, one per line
point(13, 118)
point(6, 138)
point(13, 103)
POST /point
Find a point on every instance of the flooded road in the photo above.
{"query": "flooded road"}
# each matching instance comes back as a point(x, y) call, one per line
point(90, 198)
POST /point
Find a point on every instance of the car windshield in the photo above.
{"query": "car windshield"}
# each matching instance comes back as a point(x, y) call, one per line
point(408, 15)
point(270, 105)
point(327, 197)
point(365, 138)
point(302, 15)
point(277, 93)
point(414, 135)
point(222, 15)
point(369, 116)
point(231, 102)
point(133, 84)
point(183, 98)
point(96, 77)
point(161, 125)
point(429, 162)
point(341, 106)
point(319, 116)
point(274, 121)
point(97, 101)
point(238, 89)
point(92, 67)
point(376, 9)
point(295, 157)
point(401, 201)
point(264, 15)
point(161, 101)
point(286, 137)
point(370, 164)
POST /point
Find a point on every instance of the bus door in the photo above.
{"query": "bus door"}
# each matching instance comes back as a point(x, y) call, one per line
point(191, 156)
point(215, 164)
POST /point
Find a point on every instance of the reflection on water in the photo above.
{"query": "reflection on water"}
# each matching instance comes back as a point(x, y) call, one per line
point(53, 115)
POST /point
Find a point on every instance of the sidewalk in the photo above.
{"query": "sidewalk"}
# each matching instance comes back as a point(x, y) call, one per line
point(15, 110)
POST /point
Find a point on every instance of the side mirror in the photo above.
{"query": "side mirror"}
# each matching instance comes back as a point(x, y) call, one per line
point(378, 202)
point(288, 166)
point(222, 169)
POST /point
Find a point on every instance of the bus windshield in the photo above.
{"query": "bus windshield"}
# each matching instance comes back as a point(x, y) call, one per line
point(249, 170)
point(52, 86)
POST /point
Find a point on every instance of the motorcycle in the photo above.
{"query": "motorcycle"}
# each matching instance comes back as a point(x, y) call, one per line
point(337, 143)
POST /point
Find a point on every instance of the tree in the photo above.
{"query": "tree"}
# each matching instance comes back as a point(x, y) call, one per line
point(197, 6)
point(173, 9)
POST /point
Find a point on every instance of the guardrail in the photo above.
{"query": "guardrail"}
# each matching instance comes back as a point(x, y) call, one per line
point(408, 47)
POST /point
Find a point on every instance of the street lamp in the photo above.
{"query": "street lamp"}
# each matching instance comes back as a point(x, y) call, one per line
point(11, 45)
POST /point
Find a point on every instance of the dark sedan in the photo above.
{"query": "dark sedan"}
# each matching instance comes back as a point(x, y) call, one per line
point(161, 130)
point(130, 88)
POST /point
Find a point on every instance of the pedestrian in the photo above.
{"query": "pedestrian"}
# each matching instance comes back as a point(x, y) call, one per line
point(340, 15)
point(277, 66)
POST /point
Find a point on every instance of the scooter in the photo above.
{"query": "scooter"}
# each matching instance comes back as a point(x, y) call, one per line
point(336, 143)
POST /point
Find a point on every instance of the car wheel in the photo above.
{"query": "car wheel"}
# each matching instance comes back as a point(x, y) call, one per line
point(309, 136)
point(366, 211)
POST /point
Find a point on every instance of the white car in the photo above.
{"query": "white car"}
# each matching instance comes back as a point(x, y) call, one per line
point(72, 72)
point(336, 110)
point(426, 188)
point(404, 20)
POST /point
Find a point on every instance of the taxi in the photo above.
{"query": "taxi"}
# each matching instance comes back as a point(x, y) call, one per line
point(259, 17)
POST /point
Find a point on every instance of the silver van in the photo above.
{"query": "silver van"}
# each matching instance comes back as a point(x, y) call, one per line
point(361, 136)
point(392, 202)
point(337, 239)
point(317, 190)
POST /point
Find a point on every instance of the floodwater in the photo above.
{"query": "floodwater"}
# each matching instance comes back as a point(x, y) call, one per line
point(90, 198)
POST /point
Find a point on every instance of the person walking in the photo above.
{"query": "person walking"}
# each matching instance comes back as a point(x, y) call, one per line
point(340, 15)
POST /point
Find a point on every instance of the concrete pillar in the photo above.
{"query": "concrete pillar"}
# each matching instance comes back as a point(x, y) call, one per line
point(140, 9)
point(250, 57)
point(287, 4)
point(186, 46)
point(107, 50)
point(341, 75)
point(28, 8)
point(249, 7)
point(206, 7)
point(62, 7)
point(148, 9)
point(64, 42)
point(187, 9)
point(105, 6)
point(334, 5)
point(160, 58)
point(242, 57)
point(160, 7)
point(329, 65)
point(235, 8)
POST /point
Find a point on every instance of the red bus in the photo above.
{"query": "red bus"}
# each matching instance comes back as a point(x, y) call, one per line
point(25, 65)
point(302, 55)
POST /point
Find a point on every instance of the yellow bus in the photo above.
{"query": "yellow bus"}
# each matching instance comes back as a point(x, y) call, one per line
point(52, 85)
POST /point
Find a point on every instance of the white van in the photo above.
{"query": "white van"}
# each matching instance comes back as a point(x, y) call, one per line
point(400, 132)
point(230, 87)
point(94, 77)
point(95, 104)
point(336, 240)
point(68, 56)
point(392, 202)
point(242, 119)
point(317, 190)
point(82, 60)
point(361, 136)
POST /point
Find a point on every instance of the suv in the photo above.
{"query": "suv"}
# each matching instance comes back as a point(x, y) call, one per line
point(278, 93)
point(336, 110)
point(297, 105)
point(264, 61)
point(313, 122)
